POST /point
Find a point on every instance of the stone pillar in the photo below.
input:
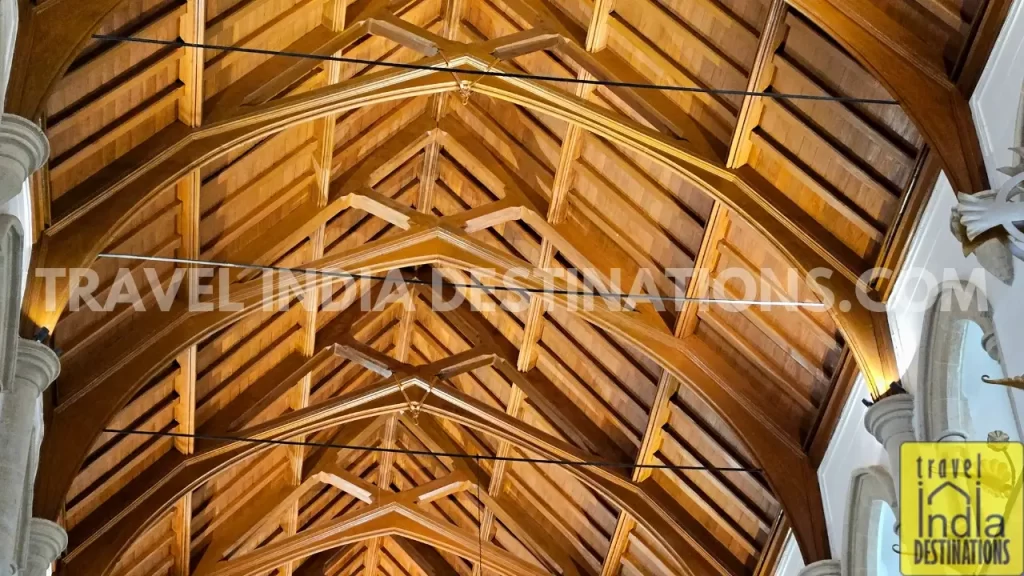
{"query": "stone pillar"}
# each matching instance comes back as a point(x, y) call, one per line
point(23, 149)
point(46, 541)
point(37, 366)
point(891, 421)
point(822, 568)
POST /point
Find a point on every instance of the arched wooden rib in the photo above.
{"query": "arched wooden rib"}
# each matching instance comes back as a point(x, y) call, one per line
point(778, 451)
point(130, 182)
point(104, 384)
point(804, 242)
point(50, 37)
point(400, 520)
point(236, 415)
point(445, 402)
point(914, 73)
point(191, 472)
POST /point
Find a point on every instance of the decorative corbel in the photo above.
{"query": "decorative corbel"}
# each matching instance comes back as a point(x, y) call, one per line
point(989, 224)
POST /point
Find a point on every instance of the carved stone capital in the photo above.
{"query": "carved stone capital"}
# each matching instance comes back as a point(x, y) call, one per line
point(23, 149)
point(37, 367)
point(822, 568)
point(891, 417)
point(46, 542)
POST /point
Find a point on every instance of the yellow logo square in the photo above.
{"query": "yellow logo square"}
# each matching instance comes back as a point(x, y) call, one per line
point(961, 508)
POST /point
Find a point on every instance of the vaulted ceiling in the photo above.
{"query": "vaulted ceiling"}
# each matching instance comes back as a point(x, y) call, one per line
point(170, 151)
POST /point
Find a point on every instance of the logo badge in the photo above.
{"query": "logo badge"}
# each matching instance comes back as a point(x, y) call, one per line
point(961, 508)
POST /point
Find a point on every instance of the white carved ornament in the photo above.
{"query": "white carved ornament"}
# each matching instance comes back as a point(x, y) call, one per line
point(998, 208)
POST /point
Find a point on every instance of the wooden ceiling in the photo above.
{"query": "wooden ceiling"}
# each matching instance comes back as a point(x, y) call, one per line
point(169, 151)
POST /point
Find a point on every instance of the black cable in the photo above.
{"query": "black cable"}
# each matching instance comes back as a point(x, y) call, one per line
point(468, 286)
point(381, 449)
point(474, 72)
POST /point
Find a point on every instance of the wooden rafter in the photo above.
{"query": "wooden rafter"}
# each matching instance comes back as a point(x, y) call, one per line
point(190, 112)
point(914, 73)
point(761, 72)
point(438, 108)
point(384, 471)
point(537, 538)
point(272, 386)
point(597, 35)
point(333, 18)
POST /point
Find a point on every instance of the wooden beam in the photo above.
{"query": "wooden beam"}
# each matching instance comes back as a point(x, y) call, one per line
point(384, 470)
point(540, 541)
point(761, 73)
point(181, 525)
point(50, 36)
point(707, 260)
point(192, 28)
point(617, 545)
point(438, 109)
point(668, 385)
point(914, 73)
point(333, 18)
point(396, 520)
point(558, 207)
point(597, 36)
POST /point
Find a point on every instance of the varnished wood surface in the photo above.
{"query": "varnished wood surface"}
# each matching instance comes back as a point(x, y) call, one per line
point(195, 153)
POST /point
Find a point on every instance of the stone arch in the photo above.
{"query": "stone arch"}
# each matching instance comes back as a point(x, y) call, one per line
point(12, 239)
point(871, 489)
point(941, 406)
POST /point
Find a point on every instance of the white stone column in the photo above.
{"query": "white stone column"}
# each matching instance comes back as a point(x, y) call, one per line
point(37, 366)
point(46, 541)
point(23, 149)
point(891, 421)
point(822, 568)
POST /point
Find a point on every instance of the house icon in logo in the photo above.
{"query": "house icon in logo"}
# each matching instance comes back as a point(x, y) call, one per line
point(942, 517)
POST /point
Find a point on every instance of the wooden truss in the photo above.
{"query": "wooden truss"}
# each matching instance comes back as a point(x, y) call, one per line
point(94, 213)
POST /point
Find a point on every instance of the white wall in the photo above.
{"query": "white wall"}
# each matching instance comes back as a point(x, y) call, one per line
point(997, 110)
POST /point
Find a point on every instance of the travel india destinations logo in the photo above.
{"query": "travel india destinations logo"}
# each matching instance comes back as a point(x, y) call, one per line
point(961, 510)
